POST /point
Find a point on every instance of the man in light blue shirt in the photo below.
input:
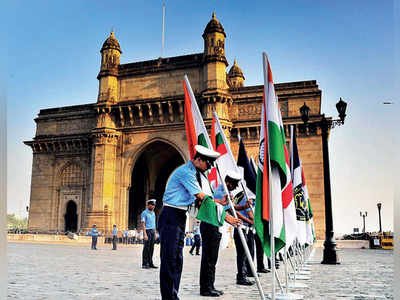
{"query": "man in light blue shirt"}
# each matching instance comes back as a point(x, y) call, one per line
point(114, 237)
point(197, 239)
point(148, 222)
point(94, 233)
point(183, 188)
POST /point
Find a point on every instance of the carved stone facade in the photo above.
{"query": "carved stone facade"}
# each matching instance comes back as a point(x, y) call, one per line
point(99, 162)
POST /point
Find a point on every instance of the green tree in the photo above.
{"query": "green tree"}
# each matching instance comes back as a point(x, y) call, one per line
point(14, 222)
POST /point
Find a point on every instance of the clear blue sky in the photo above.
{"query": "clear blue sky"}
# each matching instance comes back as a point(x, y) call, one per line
point(52, 59)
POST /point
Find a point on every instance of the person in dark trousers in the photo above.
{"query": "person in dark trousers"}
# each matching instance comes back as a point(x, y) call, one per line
point(211, 238)
point(244, 212)
point(197, 239)
point(114, 237)
point(260, 255)
point(148, 221)
point(94, 233)
point(182, 190)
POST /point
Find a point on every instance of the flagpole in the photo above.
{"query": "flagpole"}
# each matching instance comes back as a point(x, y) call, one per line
point(271, 221)
point(242, 239)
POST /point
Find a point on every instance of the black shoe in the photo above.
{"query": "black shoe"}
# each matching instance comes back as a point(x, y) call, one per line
point(244, 281)
point(153, 267)
point(191, 253)
point(145, 267)
point(218, 291)
point(197, 253)
point(263, 271)
point(250, 275)
point(211, 293)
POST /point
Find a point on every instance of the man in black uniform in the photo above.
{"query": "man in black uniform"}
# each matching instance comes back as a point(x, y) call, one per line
point(211, 240)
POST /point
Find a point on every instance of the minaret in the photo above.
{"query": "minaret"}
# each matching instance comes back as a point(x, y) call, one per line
point(105, 140)
point(110, 59)
point(215, 62)
point(235, 76)
point(215, 91)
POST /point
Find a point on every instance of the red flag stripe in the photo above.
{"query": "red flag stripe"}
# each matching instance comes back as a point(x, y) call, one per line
point(189, 123)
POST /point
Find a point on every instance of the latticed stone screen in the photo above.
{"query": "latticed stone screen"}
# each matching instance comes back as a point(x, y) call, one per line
point(72, 175)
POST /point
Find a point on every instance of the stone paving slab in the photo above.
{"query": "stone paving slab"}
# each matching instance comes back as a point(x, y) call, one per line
point(53, 271)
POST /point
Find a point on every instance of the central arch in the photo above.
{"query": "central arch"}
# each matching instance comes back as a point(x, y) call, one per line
point(150, 173)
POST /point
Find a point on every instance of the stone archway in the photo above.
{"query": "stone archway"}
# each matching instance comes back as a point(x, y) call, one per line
point(71, 217)
point(150, 173)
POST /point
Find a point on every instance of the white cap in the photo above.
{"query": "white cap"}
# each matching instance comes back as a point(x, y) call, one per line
point(206, 152)
point(233, 175)
point(151, 200)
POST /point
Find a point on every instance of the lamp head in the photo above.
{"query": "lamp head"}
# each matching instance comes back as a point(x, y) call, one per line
point(341, 108)
point(304, 111)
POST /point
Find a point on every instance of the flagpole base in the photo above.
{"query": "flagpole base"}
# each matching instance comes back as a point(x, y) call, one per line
point(303, 272)
point(288, 296)
point(300, 277)
point(296, 285)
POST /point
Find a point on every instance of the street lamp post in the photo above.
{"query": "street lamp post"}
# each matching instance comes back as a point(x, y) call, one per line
point(379, 214)
point(329, 254)
point(363, 215)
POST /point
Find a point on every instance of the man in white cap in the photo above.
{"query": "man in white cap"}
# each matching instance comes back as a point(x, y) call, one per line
point(148, 221)
point(183, 188)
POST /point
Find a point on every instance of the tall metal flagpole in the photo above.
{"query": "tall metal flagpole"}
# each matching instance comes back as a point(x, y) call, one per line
point(242, 239)
point(163, 29)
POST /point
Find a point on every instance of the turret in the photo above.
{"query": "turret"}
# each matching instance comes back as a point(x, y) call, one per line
point(235, 76)
point(110, 60)
point(215, 62)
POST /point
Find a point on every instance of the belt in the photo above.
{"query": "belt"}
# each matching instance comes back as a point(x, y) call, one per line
point(185, 208)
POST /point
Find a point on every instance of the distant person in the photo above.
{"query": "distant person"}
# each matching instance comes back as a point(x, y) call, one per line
point(94, 233)
point(125, 236)
point(148, 221)
point(114, 237)
point(197, 239)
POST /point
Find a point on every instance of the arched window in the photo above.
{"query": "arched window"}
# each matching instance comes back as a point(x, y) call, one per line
point(72, 175)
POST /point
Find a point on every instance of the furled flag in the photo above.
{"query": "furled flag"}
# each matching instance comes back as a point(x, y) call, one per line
point(308, 212)
point(226, 161)
point(272, 172)
point(289, 209)
point(249, 174)
point(298, 191)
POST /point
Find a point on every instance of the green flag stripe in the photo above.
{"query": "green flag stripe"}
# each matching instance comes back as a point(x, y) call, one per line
point(276, 150)
point(201, 140)
point(219, 139)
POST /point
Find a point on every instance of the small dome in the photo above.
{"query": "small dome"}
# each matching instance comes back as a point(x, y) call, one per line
point(235, 71)
point(111, 43)
point(214, 26)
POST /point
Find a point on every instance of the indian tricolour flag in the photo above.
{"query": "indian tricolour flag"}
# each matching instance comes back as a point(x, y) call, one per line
point(272, 171)
point(289, 208)
point(226, 161)
point(196, 132)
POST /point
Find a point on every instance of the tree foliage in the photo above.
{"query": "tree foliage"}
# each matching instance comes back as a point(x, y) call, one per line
point(15, 222)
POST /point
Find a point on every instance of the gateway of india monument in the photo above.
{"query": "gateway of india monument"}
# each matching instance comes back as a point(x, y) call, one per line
point(98, 163)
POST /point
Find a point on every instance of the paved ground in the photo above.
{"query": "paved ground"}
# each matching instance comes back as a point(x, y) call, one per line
point(52, 271)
